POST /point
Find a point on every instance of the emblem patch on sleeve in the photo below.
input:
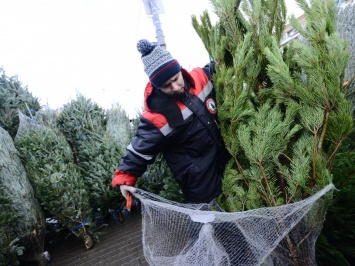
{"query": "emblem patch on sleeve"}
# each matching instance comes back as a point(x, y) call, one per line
point(211, 105)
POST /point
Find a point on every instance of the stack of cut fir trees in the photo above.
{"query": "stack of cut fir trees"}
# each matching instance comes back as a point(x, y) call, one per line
point(57, 165)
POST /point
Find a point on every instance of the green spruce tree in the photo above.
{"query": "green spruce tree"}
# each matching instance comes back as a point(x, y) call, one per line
point(283, 113)
point(14, 98)
point(55, 178)
point(21, 215)
point(9, 248)
point(336, 244)
point(118, 126)
point(96, 151)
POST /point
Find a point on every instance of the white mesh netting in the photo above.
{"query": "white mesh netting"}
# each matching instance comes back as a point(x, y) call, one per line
point(203, 234)
point(25, 123)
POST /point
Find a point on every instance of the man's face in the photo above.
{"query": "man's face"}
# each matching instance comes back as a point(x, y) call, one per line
point(174, 85)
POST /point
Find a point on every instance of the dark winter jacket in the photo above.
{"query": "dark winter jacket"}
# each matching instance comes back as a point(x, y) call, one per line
point(194, 150)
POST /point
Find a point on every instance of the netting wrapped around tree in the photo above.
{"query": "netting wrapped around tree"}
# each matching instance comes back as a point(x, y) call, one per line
point(201, 234)
point(346, 27)
point(56, 180)
point(118, 126)
point(96, 151)
point(16, 187)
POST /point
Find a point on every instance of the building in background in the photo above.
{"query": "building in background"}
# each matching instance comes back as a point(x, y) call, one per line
point(290, 33)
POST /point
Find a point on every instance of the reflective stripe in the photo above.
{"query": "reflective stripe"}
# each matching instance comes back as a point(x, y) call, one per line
point(165, 130)
point(186, 113)
point(146, 157)
point(206, 91)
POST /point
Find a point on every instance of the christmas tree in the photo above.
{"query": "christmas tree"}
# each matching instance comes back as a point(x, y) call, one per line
point(13, 98)
point(9, 248)
point(283, 113)
point(56, 180)
point(96, 151)
point(21, 220)
point(118, 126)
point(336, 244)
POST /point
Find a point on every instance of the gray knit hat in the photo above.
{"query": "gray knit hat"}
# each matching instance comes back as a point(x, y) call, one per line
point(158, 63)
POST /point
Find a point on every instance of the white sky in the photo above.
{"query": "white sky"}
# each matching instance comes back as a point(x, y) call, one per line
point(60, 47)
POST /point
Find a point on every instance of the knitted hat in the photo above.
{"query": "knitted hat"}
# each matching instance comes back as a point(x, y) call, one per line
point(158, 63)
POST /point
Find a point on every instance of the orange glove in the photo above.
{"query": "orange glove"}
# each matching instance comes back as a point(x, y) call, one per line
point(126, 182)
point(123, 178)
point(129, 201)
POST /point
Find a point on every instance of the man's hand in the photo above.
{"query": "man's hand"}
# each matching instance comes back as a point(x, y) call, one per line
point(126, 182)
point(127, 193)
point(125, 190)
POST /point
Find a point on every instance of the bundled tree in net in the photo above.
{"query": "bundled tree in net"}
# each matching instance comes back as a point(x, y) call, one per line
point(22, 222)
point(55, 178)
point(96, 151)
point(336, 243)
point(345, 25)
point(78, 119)
point(9, 248)
point(14, 97)
point(118, 126)
point(283, 113)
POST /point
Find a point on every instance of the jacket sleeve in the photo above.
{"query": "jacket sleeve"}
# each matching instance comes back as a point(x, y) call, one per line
point(143, 149)
point(209, 69)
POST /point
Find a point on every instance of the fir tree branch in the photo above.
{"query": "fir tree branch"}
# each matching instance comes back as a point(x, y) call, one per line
point(229, 20)
point(282, 185)
point(315, 131)
point(263, 194)
point(330, 161)
point(352, 174)
point(292, 195)
point(266, 181)
point(285, 155)
point(329, 108)
point(273, 16)
point(324, 130)
point(292, 250)
point(241, 171)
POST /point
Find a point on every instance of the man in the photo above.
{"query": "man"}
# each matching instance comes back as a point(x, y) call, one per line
point(180, 121)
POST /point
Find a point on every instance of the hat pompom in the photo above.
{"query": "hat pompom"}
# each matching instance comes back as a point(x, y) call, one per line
point(144, 47)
